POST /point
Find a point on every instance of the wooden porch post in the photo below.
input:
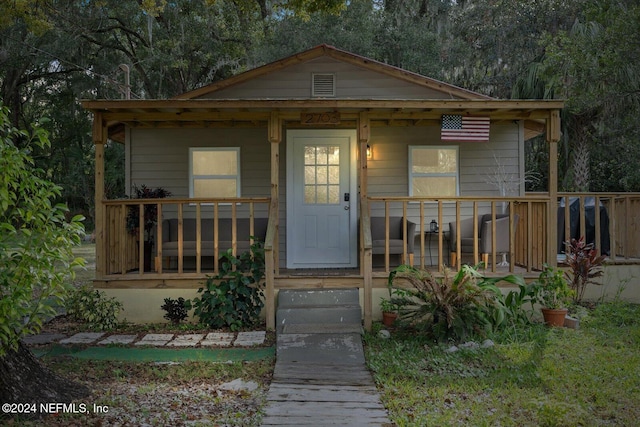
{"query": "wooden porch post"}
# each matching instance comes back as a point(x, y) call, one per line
point(553, 136)
point(364, 134)
point(271, 258)
point(99, 140)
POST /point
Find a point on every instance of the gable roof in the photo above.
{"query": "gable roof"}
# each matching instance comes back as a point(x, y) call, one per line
point(323, 50)
point(430, 100)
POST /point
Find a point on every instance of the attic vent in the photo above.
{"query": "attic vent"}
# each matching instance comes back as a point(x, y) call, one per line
point(323, 84)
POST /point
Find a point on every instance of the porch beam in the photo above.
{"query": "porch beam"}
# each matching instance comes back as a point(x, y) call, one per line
point(99, 140)
point(366, 266)
point(553, 136)
point(275, 138)
point(162, 116)
point(271, 245)
point(205, 106)
point(403, 117)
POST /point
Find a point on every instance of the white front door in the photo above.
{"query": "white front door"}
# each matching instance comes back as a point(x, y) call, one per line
point(321, 199)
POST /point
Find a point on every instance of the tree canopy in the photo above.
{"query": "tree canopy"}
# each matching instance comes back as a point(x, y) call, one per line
point(54, 53)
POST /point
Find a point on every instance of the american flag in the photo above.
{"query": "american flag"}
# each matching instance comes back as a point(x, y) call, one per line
point(464, 129)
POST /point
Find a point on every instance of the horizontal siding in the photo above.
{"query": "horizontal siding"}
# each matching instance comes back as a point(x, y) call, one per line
point(388, 174)
point(294, 82)
point(159, 158)
point(387, 170)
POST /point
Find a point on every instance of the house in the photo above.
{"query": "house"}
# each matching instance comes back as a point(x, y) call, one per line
point(308, 152)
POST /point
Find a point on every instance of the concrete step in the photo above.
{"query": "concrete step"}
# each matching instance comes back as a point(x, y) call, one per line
point(322, 328)
point(338, 349)
point(313, 297)
point(318, 314)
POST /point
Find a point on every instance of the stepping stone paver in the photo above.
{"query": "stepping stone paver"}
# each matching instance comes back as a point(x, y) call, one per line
point(118, 339)
point(45, 338)
point(188, 340)
point(249, 339)
point(217, 339)
point(158, 340)
point(83, 338)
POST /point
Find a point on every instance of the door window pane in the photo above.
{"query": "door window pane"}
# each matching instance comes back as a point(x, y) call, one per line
point(321, 174)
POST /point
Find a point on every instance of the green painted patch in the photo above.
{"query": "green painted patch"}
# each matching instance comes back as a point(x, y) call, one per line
point(159, 354)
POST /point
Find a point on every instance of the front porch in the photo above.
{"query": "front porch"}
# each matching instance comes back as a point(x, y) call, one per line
point(533, 241)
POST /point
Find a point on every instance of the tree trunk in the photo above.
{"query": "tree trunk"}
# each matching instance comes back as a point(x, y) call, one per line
point(23, 379)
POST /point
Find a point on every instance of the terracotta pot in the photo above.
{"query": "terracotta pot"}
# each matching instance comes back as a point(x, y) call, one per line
point(388, 318)
point(554, 317)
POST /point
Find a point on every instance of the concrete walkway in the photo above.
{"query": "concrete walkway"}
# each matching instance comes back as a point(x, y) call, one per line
point(321, 379)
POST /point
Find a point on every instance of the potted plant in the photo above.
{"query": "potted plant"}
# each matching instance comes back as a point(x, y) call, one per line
point(150, 218)
point(553, 294)
point(389, 311)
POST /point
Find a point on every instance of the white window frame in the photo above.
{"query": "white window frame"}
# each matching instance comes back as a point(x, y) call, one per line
point(192, 177)
point(455, 174)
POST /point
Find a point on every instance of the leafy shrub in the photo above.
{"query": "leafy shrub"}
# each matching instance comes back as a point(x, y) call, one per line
point(233, 298)
point(585, 265)
point(91, 306)
point(36, 239)
point(552, 289)
point(451, 307)
point(516, 301)
point(177, 309)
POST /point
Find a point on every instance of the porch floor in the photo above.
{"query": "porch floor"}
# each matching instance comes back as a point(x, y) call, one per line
point(287, 278)
point(351, 273)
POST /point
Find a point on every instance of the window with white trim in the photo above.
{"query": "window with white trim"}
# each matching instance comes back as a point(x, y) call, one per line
point(214, 172)
point(433, 171)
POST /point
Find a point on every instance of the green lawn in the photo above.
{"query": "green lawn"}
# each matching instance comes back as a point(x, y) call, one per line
point(532, 377)
point(535, 377)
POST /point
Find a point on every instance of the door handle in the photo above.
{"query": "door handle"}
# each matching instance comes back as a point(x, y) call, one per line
point(346, 208)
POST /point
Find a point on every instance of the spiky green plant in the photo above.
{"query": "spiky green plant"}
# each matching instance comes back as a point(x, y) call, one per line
point(451, 307)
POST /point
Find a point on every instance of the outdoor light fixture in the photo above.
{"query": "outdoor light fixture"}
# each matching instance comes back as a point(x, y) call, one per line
point(369, 152)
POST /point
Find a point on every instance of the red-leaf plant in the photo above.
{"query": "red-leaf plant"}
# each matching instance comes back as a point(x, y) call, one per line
point(585, 265)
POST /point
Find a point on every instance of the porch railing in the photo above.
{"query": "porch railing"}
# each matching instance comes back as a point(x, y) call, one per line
point(610, 220)
point(124, 229)
point(614, 227)
point(527, 220)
